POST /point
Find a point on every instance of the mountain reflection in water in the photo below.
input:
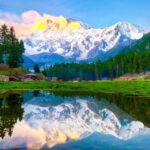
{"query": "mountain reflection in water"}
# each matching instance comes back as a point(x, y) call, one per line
point(40, 119)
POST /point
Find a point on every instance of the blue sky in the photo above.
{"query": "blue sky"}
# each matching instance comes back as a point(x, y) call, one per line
point(97, 13)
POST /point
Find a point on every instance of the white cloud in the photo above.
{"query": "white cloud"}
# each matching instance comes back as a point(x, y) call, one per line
point(9, 17)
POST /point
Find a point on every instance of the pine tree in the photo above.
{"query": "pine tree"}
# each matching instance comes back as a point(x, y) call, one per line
point(16, 49)
point(1, 54)
point(12, 35)
point(13, 57)
point(36, 68)
point(4, 40)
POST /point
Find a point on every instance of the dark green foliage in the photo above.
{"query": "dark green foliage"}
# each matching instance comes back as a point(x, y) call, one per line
point(45, 72)
point(135, 59)
point(10, 113)
point(11, 49)
point(4, 33)
point(36, 68)
point(1, 55)
point(131, 62)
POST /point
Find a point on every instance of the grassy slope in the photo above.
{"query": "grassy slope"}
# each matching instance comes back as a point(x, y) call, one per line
point(14, 71)
point(120, 87)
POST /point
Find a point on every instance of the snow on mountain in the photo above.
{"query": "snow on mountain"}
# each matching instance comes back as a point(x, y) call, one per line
point(75, 41)
point(81, 44)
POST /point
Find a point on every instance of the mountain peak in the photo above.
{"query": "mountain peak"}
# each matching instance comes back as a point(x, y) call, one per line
point(57, 24)
point(124, 23)
point(83, 43)
point(130, 30)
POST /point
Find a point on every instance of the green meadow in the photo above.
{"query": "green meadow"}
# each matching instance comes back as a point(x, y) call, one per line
point(137, 87)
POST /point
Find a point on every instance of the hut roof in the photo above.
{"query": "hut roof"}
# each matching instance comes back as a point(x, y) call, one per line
point(31, 74)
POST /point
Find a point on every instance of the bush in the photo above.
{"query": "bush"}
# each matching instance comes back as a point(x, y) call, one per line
point(4, 67)
point(147, 78)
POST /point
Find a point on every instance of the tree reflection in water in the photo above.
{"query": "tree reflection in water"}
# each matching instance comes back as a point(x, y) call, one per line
point(10, 113)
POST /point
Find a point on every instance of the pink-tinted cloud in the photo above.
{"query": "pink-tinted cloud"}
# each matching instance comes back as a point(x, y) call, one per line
point(31, 21)
point(23, 24)
point(31, 17)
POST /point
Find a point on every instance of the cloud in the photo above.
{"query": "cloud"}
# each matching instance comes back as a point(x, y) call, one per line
point(23, 24)
point(30, 17)
point(31, 21)
point(11, 17)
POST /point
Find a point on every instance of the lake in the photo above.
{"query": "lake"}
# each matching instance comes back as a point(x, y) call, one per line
point(73, 121)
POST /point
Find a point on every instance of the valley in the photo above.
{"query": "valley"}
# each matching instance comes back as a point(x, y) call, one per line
point(74, 75)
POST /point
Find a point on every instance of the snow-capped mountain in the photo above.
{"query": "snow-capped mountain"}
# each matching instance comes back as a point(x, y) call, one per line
point(80, 44)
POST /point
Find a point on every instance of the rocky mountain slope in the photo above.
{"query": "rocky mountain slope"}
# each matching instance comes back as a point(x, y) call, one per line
point(79, 42)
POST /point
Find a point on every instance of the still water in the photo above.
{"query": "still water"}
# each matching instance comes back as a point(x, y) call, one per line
point(73, 121)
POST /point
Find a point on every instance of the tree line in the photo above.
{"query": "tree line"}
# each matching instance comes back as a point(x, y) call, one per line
point(130, 62)
point(11, 48)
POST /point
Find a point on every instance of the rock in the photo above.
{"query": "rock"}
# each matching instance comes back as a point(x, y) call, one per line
point(4, 78)
point(27, 80)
